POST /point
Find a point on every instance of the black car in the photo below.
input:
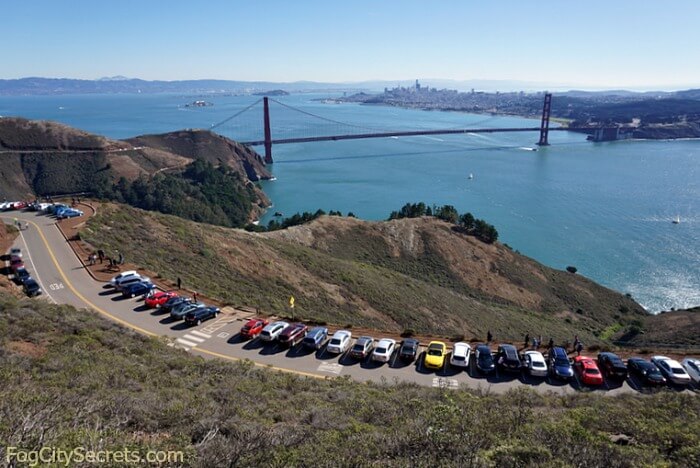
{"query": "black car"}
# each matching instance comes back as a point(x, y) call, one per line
point(197, 316)
point(508, 358)
point(409, 349)
point(173, 302)
point(31, 287)
point(21, 275)
point(484, 359)
point(612, 366)
point(645, 371)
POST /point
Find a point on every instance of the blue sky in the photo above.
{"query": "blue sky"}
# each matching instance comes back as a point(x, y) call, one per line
point(634, 44)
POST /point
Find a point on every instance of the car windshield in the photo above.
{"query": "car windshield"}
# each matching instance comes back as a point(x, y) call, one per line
point(592, 371)
point(678, 370)
point(435, 352)
point(335, 341)
point(485, 358)
point(537, 364)
point(458, 358)
point(561, 362)
point(380, 350)
point(407, 348)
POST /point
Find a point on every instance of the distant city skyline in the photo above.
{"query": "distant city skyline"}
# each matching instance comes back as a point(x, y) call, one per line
point(597, 45)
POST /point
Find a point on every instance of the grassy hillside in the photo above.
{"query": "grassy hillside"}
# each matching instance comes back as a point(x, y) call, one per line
point(679, 328)
point(410, 273)
point(60, 389)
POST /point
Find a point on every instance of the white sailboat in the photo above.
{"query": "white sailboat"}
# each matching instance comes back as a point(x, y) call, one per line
point(471, 176)
point(677, 220)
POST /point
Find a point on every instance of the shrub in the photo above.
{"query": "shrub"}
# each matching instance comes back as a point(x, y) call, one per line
point(407, 333)
point(571, 269)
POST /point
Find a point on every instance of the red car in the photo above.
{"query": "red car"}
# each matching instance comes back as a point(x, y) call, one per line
point(16, 263)
point(293, 334)
point(157, 299)
point(253, 327)
point(587, 371)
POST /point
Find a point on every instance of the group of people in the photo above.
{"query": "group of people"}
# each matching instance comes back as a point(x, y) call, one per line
point(536, 342)
point(111, 262)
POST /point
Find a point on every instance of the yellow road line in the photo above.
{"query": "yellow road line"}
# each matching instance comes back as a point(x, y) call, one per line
point(144, 331)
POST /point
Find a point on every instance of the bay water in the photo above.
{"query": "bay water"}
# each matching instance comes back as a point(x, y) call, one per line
point(605, 208)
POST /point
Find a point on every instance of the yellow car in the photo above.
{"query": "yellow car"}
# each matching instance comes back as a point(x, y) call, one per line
point(435, 355)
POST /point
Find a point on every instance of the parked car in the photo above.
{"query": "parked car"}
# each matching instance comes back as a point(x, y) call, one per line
point(692, 367)
point(315, 338)
point(171, 303)
point(588, 371)
point(293, 334)
point(612, 366)
point(362, 347)
point(16, 252)
point(559, 364)
point(646, 371)
point(137, 289)
point(672, 370)
point(197, 316)
point(183, 309)
point(15, 264)
point(253, 327)
point(435, 355)
point(508, 359)
point(384, 350)
point(31, 287)
point(272, 331)
point(535, 364)
point(158, 298)
point(69, 213)
point(124, 274)
point(4, 205)
point(340, 342)
point(409, 349)
point(461, 353)
point(21, 275)
point(484, 359)
point(125, 282)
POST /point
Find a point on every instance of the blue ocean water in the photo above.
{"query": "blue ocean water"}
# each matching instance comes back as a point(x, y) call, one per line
point(605, 208)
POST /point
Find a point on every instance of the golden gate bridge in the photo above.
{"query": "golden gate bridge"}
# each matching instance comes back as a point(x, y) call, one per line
point(346, 131)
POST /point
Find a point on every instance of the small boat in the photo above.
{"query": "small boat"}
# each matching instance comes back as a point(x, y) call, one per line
point(471, 176)
point(677, 220)
point(277, 213)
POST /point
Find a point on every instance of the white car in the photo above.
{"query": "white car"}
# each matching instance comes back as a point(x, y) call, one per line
point(340, 342)
point(272, 331)
point(127, 280)
point(672, 370)
point(535, 364)
point(461, 352)
point(120, 276)
point(692, 367)
point(384, 349)
point(16, 252)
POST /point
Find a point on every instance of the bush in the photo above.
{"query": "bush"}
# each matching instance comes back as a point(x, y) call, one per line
point(407, 333)
point(571, 269)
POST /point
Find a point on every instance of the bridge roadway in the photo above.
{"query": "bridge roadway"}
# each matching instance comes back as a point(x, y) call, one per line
point(361, 136)
point(65, 281)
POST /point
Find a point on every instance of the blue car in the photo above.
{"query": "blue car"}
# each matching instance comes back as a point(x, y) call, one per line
point(197, 316)
point(69, 213)
point(138, 289)
point(559, 364)
point(315, 338)
point(54, 208)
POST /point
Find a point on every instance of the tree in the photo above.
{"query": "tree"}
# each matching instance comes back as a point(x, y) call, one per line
point(467, 221)
point(447, 213)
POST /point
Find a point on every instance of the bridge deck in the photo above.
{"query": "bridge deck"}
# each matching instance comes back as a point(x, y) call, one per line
point(404, 133)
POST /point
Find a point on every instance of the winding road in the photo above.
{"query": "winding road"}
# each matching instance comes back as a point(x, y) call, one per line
point(64, 280)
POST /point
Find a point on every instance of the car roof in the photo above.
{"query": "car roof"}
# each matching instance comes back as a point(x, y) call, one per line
point(278, 323)
point(558, 351)
point(534, 355)
point(341, 333)
point(461, 345)
point(434, 344)
point(364, 339)
point(483, 348)
point(386, 342)
point(316, 330)
point(410, 341)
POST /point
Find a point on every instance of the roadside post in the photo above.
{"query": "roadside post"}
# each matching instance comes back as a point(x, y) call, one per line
point(291, 306)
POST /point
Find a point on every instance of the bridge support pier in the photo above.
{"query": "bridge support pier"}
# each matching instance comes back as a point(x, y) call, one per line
point(544, 125)
point(268, 134)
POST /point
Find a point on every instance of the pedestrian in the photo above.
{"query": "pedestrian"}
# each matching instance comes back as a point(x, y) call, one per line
point(579, 348)
point(539, 341)
point(535, 344)
point(121, 259)
point(489, 337)
point(194, 296)
point(576, 341)
point(179, 283)
point(101, 255)
point(551, 343)
point(527, 340)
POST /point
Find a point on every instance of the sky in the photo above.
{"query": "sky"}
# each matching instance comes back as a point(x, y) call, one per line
point(640, 44)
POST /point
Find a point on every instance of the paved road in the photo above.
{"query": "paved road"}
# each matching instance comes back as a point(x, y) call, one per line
point(65, 281)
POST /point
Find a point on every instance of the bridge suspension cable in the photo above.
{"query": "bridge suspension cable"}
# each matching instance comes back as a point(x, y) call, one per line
point(235, 115)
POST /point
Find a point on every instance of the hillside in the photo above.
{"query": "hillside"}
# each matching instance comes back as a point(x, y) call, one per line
point(403, 274)
point(218, 413)
point(46, 158)
point(680, 328)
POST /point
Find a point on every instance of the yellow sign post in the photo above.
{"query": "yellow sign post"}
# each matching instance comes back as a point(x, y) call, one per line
point(291, 305)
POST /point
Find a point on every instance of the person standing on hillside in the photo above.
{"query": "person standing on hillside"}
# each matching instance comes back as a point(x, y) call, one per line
point(194, 296)
point(527, 340)
point(101, 255)
point(551, 343)
point(489, 337)
point(179, 283)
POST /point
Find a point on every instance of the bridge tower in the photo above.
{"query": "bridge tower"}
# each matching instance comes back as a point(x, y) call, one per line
point(268, 134)
point(544, 125)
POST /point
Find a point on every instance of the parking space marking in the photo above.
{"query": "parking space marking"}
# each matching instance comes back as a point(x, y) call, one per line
point(330, 367)
point(199, 333)
point(441, 382)
point(186, 343)
point(193, 338)
point(223, 335)
point(218, 325)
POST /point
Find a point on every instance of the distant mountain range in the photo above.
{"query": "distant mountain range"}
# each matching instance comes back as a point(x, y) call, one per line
point(122, 84)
